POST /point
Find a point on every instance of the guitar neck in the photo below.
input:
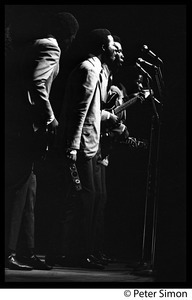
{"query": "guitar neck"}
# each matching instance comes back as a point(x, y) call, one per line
point(125, 105)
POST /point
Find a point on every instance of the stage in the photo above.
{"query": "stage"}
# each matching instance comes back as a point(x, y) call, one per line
point(115, 273)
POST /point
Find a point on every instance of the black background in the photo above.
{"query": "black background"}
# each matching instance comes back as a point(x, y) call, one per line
point(163, 29)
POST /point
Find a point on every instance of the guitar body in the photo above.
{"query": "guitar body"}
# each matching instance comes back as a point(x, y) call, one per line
point(109, 140)
point(109, 132)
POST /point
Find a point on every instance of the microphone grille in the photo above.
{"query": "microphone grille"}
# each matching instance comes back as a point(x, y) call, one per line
point(145, 47)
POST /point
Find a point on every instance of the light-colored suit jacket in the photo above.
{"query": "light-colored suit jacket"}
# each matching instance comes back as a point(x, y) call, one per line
point(45, 67)
point(82, 107)
point(34, 67)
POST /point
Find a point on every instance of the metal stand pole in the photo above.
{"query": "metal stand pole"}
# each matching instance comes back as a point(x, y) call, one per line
point(147, 267)
point(148, 192)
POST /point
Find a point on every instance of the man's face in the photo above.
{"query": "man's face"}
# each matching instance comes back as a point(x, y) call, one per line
point(119, 58)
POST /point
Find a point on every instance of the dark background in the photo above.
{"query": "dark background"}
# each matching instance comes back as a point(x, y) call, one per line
point(163, 29)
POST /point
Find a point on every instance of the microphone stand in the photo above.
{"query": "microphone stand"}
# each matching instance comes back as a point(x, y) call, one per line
point(147, 266)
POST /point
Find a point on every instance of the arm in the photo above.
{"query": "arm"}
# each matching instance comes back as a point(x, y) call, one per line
point(80, 96)
point(113, 121)
point(114, 95)
point(43, 73)
point(106, 115)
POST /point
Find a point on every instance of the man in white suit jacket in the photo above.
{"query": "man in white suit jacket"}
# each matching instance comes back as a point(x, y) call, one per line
point(80, 127)
point(32, 66)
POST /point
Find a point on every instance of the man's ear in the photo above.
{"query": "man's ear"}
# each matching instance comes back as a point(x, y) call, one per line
point(103, 47)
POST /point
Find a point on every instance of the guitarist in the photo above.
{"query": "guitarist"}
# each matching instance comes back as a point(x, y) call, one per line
point(113, 130)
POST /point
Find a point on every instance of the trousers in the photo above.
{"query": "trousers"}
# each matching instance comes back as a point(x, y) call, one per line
point(20, 194)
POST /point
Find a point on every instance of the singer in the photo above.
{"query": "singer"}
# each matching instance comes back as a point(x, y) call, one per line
point(85, 88)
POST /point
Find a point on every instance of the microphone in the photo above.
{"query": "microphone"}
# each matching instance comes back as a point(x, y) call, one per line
point(147, 63)
point(146, 49)
point(143, 71)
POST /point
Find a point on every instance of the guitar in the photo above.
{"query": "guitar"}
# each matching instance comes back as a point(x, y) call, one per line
point(118, 109)
point(108, 136)
point(108, 141)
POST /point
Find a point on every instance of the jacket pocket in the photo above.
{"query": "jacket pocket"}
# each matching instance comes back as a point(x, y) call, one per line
point(88, 137)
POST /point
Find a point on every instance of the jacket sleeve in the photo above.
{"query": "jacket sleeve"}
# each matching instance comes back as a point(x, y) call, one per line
point(84, 96)
point(45, 68)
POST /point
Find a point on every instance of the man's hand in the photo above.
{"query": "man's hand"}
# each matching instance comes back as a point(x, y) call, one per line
point(71, 155)
point(133, 142)
point(114, 119)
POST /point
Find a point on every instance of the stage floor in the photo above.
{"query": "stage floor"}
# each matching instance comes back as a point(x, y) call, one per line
point(114, 272)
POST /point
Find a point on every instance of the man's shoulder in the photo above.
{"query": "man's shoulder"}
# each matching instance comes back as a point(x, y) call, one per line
point(47, 42)
point(92, 64)
point(48, 47)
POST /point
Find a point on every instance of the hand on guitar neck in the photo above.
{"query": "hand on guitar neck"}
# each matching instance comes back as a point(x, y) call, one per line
point(116, 109)
point(135, 143)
